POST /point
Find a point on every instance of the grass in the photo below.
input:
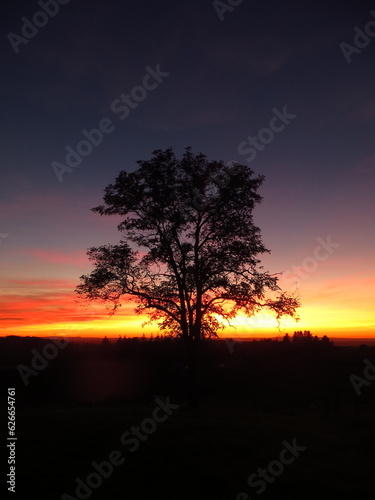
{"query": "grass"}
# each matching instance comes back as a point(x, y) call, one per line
point(196, 454)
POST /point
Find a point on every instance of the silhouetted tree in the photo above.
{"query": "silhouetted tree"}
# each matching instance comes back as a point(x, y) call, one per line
point(189, 248)
point(326, 341)
point(300, 336)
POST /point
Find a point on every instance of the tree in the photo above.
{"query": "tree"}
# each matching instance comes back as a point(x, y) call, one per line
point(189, 249)
point(286, 339)
point(326, 341)
point(302, 336)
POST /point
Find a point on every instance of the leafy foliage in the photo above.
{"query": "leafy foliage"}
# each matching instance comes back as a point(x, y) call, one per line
point(190, 265)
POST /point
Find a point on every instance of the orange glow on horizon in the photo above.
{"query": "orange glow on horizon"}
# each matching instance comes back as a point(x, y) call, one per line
point(49, 307)
point(319, 321)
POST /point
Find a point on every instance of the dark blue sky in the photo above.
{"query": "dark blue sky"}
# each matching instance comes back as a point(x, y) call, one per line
point(225, 79)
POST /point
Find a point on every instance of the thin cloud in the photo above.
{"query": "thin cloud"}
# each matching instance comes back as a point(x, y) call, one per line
point(78, 258)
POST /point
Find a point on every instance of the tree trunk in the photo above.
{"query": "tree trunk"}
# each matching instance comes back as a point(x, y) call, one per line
point(192, 349)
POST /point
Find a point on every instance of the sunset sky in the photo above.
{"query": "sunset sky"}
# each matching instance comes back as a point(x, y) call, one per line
point(224, 77)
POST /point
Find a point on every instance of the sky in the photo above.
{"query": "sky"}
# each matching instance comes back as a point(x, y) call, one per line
point(284, 87)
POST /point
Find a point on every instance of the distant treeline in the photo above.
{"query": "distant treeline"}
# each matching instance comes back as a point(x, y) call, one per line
point(297, 372)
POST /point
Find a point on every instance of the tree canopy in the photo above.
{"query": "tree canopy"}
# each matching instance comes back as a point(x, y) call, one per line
point(189, 249)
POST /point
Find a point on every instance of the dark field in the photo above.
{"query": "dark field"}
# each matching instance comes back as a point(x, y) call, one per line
point(254, 397)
